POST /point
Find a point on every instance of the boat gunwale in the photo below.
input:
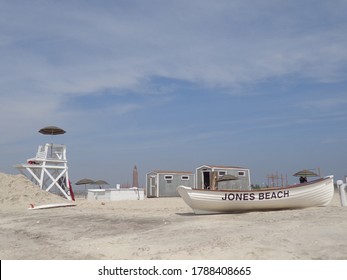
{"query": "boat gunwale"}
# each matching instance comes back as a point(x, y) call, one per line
point(268, 189)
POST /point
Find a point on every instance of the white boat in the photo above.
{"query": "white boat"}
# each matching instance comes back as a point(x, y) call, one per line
point(314, 193)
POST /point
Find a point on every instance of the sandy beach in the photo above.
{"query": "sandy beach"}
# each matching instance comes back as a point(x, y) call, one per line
point(160, 228)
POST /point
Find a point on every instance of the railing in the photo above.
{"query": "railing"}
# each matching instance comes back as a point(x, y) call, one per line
point(41, 155)
point(51, 151)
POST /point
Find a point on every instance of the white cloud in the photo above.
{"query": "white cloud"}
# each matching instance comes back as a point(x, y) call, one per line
point(326, 103)
point(52, 51)
point(70, 48)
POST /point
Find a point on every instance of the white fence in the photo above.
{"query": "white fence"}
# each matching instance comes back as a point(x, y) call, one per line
point(115, 194)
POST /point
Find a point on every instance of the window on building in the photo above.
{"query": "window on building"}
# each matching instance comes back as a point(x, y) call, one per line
point(184, 177)
point(241, 173)
point(221, 173)
point(168, 178)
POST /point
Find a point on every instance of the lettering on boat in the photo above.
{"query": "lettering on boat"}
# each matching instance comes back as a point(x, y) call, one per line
point(259, 196)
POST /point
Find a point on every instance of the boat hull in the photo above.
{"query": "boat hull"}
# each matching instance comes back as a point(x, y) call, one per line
point(311, 194)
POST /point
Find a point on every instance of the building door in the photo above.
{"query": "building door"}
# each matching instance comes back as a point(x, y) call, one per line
point(153, 186)
point(206, 179)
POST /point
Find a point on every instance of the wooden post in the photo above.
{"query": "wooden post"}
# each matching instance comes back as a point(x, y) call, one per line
point(214, 180)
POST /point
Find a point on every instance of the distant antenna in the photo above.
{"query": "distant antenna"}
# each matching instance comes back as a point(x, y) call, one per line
point(275, 179)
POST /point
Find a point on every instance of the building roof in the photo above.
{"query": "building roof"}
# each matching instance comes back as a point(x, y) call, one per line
point(222, 166)
point(170, 172)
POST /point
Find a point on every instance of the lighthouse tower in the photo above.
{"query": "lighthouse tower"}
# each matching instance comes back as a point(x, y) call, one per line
point(49, 170)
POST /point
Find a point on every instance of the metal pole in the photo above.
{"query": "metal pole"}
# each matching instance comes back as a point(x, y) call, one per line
point(342, 192)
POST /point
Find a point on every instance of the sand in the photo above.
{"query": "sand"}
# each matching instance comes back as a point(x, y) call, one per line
point(160, 228)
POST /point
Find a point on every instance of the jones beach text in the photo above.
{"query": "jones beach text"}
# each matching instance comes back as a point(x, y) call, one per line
point(256, 196)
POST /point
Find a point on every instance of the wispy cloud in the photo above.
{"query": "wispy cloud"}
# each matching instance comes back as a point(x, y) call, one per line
point(55, 54)
point(327, 103)
point(71, 48)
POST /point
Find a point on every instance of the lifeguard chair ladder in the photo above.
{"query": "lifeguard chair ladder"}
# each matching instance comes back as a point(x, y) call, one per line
point(49, 170)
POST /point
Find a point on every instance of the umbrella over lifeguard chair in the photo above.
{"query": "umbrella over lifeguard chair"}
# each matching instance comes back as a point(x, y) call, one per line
point(49, 169)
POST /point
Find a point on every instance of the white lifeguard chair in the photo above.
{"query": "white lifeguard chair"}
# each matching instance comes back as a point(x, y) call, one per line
point(49, 170)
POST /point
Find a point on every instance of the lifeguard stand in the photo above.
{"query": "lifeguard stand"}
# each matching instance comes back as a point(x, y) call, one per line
point(49, 169)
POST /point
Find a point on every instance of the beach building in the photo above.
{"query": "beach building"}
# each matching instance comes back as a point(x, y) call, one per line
point(164, 183)
point(205, 173)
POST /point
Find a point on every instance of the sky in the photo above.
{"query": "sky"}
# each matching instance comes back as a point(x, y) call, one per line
point(173, 85)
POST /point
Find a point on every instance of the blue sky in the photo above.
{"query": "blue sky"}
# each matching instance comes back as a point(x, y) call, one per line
point(176, 84)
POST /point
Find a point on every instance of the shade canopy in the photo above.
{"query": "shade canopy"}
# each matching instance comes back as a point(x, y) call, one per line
point(305, 173)
point(227, 178)
point(52, 130)
point(85, 181)
point(100, 182)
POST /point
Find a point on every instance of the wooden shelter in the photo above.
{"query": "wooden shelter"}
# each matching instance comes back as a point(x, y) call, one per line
point(222, 177)
point(164, 183)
